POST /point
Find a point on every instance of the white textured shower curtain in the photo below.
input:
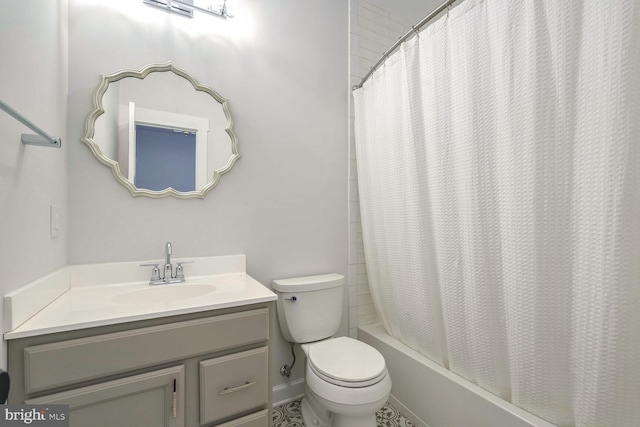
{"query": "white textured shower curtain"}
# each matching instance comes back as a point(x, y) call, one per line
point(498, 157)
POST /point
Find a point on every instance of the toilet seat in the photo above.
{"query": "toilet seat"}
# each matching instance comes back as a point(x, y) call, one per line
point(364, 396)
point(346, 362)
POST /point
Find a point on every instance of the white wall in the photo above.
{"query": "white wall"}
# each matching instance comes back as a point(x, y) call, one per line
point(283, 66)
point(407, 10)
point(32, 81)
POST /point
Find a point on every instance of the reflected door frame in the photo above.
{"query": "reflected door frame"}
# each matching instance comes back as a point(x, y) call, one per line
point(146, 116)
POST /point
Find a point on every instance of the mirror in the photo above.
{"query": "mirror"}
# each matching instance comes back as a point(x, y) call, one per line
point(161, 132)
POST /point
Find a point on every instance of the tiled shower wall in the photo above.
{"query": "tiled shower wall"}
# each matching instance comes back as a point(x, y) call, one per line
point(372, 31)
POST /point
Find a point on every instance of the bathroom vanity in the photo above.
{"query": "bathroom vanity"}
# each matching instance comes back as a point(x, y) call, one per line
point(202, 360)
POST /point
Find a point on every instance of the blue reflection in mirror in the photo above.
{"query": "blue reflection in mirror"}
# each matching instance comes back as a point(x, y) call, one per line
point(165, 158)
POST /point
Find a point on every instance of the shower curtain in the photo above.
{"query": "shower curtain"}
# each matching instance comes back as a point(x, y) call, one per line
point(498, 157)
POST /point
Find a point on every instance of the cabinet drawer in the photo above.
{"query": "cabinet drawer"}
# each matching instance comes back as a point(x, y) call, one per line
point(68, 362)
point(233, 384)
point(259, 419)
point(146, 400)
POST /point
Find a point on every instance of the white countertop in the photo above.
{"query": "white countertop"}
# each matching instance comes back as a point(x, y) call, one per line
point(105, 304)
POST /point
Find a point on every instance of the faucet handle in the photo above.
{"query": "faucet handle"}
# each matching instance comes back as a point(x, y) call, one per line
point(155, 272)
point(180, 270)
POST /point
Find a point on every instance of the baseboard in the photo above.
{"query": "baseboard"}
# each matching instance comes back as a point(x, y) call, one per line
point(406, 412)
point(288, 392)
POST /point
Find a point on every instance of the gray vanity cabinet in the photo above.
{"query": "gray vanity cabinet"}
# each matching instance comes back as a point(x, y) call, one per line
point(194, 370)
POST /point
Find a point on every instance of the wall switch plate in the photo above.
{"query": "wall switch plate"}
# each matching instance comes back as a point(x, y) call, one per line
point(54, 220)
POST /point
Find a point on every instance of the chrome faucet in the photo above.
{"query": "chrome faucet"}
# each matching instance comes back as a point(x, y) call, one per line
point(167, 271)
point(168, 268)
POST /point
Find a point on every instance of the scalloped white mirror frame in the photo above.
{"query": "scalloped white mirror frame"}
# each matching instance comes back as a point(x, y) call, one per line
point(98, 110)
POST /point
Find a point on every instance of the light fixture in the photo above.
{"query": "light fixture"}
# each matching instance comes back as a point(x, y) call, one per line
point(219, 9)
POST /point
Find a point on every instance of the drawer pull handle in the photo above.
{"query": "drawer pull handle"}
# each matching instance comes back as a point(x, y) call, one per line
point(228, 390)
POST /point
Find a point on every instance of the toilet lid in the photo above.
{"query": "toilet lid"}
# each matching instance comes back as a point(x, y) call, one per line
point(346, 360)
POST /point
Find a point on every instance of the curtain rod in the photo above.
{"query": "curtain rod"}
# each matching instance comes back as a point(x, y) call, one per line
point(414, 29)
point(42, 139)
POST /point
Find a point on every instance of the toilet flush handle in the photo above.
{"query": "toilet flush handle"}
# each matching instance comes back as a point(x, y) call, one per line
point(292, 299)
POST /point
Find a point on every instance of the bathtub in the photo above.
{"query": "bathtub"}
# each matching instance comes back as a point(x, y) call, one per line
point(432, 396)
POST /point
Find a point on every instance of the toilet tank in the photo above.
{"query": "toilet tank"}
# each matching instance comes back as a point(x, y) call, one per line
point(309, 308)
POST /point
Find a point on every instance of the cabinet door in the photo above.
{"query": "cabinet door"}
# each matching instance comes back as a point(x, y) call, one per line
point(145, 400)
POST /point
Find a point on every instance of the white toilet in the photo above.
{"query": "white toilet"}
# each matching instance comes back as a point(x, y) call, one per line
point(346, 380)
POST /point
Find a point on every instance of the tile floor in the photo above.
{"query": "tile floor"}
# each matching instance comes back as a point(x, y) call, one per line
point(288, 415)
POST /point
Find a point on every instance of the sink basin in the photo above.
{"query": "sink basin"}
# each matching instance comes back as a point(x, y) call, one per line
point(163, 294)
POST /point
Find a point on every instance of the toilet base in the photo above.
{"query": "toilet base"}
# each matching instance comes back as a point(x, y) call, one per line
point(314, 414)
point(362, 421)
